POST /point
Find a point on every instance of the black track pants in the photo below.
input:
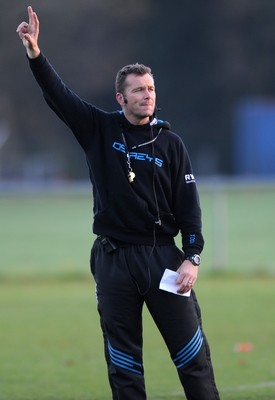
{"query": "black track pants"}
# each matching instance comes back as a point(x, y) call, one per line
point(125, 279)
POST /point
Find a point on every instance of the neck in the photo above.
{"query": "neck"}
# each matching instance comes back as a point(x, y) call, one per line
point(134, 120)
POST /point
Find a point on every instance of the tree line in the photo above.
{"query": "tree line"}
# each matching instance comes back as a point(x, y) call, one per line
point(205, 55)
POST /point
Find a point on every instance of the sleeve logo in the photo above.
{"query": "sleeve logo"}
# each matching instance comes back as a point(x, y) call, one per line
point(189, 178)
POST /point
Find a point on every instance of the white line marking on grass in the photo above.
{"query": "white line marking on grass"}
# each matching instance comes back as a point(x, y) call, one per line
point(240, 388)
point(260, 385)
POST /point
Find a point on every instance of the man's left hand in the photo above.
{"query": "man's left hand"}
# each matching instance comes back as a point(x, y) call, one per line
point(188, 274)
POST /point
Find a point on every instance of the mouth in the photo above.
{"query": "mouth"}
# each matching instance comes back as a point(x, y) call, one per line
point(146, 105)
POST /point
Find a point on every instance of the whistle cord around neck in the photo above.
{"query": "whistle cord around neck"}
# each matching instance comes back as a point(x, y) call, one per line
point(149, 142)
point(131, 174)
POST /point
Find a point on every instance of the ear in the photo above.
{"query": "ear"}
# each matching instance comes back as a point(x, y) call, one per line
point(120, 99)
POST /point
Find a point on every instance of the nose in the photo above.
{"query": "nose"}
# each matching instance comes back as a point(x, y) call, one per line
point(147, 94)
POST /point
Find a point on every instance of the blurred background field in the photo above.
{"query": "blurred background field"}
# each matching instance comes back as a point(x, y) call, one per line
point(49, 231)
point(50, 335)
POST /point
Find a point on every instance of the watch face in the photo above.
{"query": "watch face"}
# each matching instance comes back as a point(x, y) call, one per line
point(197, 259)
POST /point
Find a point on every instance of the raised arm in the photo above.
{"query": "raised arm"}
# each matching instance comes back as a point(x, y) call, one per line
point(29, 33)
point(77, 114)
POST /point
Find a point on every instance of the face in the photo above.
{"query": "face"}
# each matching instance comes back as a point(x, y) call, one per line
point(141, 98)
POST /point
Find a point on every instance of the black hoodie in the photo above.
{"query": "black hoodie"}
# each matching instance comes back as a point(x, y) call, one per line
point(161, 201)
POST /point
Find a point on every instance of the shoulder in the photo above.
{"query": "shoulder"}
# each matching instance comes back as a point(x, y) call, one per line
point(173, 139)
point(165, 127)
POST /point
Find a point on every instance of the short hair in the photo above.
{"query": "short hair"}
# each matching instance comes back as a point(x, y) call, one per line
point(136, 69)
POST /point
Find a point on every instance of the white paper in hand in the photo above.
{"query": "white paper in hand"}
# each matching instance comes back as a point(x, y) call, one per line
point(168, 283)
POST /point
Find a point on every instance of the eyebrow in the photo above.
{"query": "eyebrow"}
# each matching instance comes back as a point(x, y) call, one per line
point(143, 87)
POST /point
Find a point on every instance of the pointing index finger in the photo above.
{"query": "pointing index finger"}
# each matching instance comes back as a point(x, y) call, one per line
point(33, 19)
point(30, 12)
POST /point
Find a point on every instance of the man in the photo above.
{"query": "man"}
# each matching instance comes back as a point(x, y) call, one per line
point(144, 194)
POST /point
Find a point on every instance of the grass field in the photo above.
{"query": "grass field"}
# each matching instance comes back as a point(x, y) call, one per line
point(51, 347)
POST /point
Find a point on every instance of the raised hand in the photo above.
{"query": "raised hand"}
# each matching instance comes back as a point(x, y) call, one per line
point(29, 32)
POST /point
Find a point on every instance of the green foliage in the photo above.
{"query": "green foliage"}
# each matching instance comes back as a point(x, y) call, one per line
point(201, 54)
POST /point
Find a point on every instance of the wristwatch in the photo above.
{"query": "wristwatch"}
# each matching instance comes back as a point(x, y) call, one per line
point(195, 259)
